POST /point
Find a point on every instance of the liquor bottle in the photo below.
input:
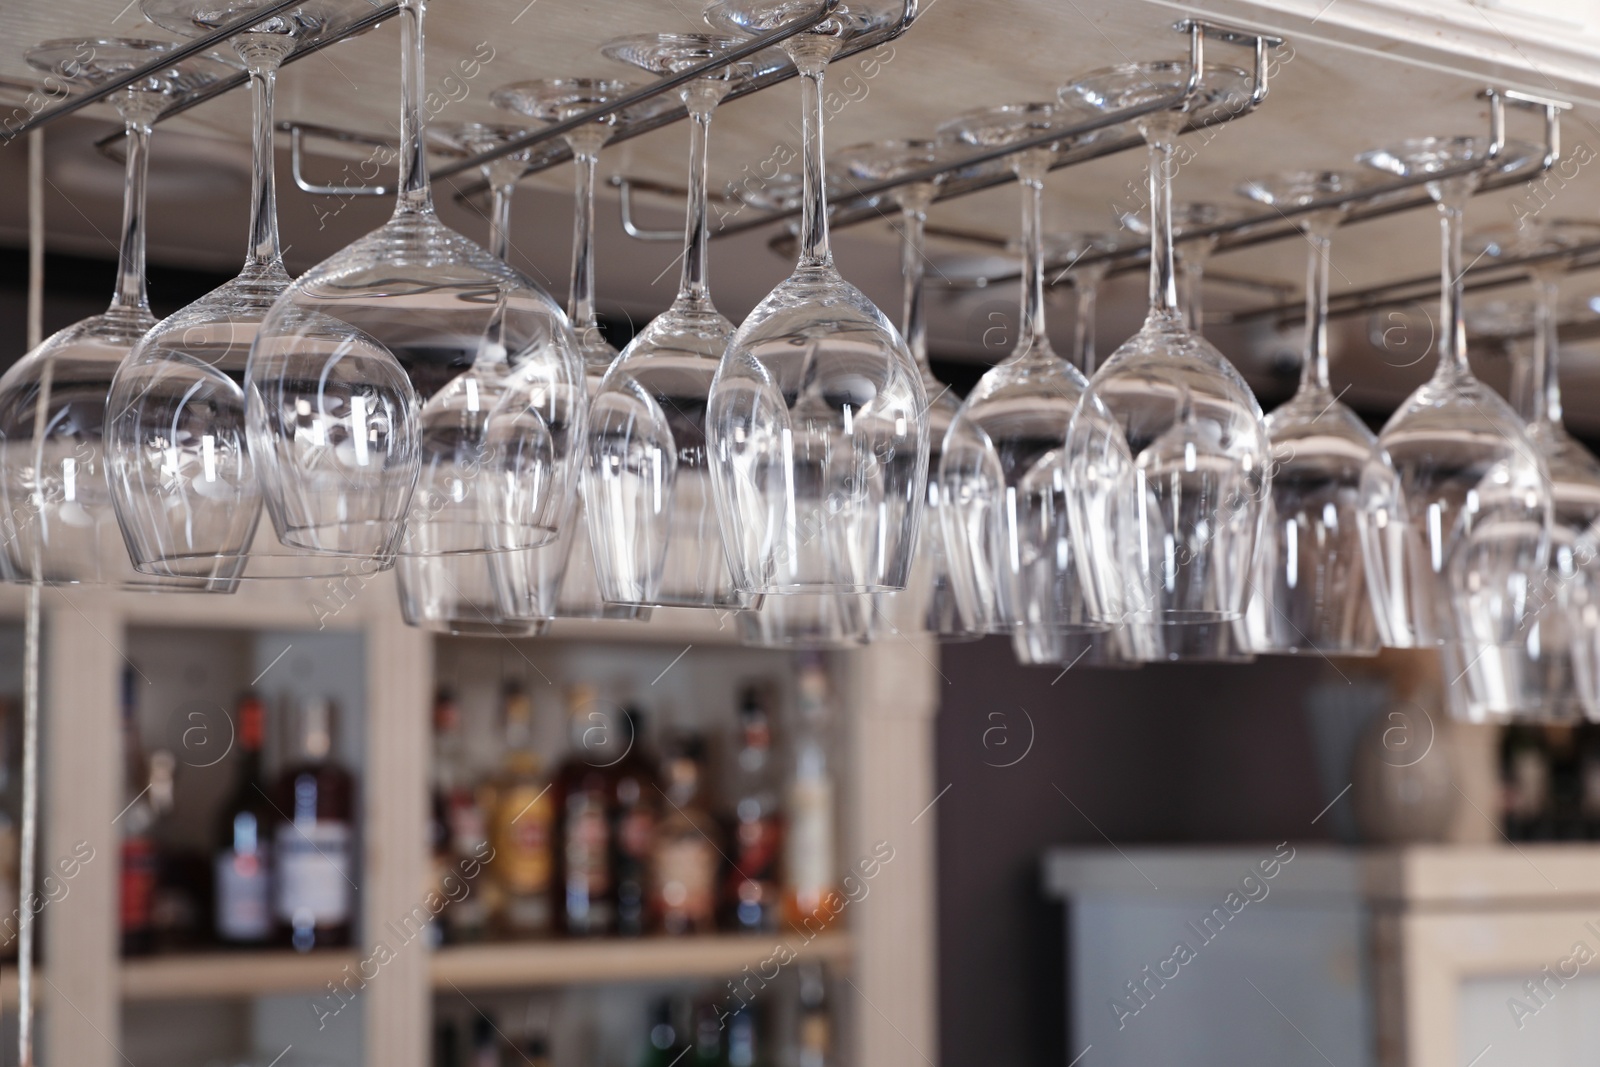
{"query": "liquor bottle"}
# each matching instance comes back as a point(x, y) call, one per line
point(809, 873)
point(584, 787)
point(1589, 771)
point(633, 826)
point(667, 1042)
point(446, 1044)
point(10, 831)
point(1565, 815)
point(815, 1038)
point(140, 863)
point(461, 828)
point(683, 876)
point(1525, 778)
point(485, 1042)
point(744, 1037)
point(752, 892)
point(314, 844)
point(243, 862)
point(520, 826)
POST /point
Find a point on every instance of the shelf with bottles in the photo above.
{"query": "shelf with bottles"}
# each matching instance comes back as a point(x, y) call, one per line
point(628, 790)
point(1550, 781)
point(795, 1019)
point(240, 828)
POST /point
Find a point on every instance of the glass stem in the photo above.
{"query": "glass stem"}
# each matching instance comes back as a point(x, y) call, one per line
point(693, 284)
point(1192, 263)
point(264, 247)
point(811, 60)
point(1314, 370)
point(130, 254)
point(500, 219)
point(1086, 284)
point(1031, 167)
point(914, 220)
point(1544, 387)
point(580, 302)
point(1452, 326)
point(1163, 279)
point(414, 192)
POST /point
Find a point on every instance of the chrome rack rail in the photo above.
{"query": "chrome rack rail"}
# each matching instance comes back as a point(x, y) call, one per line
point(1370, 202)
point(860, 207)
point(181, 52)
point(1499, 274)
point(109, 144)
point(667, 83)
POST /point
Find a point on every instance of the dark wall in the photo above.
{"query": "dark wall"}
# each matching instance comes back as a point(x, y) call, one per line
point(1160, 755)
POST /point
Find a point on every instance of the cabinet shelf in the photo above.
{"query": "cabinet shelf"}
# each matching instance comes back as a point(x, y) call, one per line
point(229, 975)
point(535, 963)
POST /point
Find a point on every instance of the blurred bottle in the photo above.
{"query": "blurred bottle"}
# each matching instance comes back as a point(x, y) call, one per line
point(1525, 780)
point(1589, 772)
point(744, 1037)
point(536, 1050)
point(814, 1041)
point(667, 1041)
point(809, 873)
point(1565, 817)
point(446, 1044)
point(314, 843)
point(708, 1027)
point(140, 863)
point(683, 879)
point(752, 891)
point(184, 875)
point(485, 1042)
point(10, 833)
point(520, 828)
point(584, 786)
point(633, 826)
point(243, 861)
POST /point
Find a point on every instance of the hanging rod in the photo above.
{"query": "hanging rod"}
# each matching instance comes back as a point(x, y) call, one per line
point(181, 52)
point(859, 205)
point(666, 83)
point(107, 144)
point(1368, 202)
point(1498, 274)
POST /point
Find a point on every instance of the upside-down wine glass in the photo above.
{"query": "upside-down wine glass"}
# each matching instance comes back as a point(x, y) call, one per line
point(1310, 582)
point(816, 423)
point(1454, 557)
point(414, 396)
point(647, 479)
point(1034, 643)
point(1167, 453)
point(561, 577)
point(1192, 254)
point(928, 604)
point(61, 526)
point(1571, 639)
point(182, 483)
point(501, 174)
point(1000, 478)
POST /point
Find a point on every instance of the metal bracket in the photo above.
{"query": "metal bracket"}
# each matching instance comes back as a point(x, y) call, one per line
point(859, 206)
point(297, 134)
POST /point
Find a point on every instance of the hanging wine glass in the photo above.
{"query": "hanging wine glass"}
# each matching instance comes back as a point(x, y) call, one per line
point(1012, 557)
point(1574, 472)
point(808, 622)
point(182, 483)
point(929, 602)
point(1310, 584)
point(1168, 452)
point(1192, 254)
point(501, 173)
point(1036, 641)
point(647, 479)
point(55, 485)
point(379, 371)
point(815, 423)
point(1453, 557)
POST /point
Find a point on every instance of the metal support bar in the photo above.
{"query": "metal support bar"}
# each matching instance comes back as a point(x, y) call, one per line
point(629, 227)
point(110, 141)
point(1367, 203)
point(166, 59)
point(664, 84)
point(859, 206)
